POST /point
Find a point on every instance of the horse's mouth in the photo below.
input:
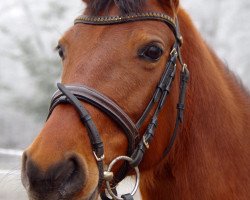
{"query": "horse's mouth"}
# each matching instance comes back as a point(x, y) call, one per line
point(93, 196)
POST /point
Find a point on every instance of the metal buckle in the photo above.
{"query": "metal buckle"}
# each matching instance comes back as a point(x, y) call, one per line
point(109, 189)
point(173, 52)
point(145, 142)
point(180, 38)
point(98, 158)
point(184, 67)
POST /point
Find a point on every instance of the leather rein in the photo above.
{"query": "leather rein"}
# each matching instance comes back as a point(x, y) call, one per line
point(73, 94)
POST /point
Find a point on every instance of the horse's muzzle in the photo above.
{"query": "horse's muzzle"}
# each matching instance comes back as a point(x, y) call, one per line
point(63, 180)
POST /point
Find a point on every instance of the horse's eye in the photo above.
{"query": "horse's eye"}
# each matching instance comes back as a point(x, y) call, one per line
point(60, 50)
point(151, 52)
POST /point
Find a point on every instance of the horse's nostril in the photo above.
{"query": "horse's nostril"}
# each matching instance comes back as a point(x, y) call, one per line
point(74, 178)
point(63, 170)
point(24, 171)
point(63, 179)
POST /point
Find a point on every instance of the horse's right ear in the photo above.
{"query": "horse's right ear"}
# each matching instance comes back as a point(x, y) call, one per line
point(173, 4)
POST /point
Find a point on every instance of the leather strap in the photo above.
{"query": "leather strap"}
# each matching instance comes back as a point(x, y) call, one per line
point(127, 197)
point(184, 77)
point(105, 104)
point(109, 107)
point(161, 85)
point(110, 20)
point(93, 133)
point(160, 97)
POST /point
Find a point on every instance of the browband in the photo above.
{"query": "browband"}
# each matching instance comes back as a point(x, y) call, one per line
point(109, 20)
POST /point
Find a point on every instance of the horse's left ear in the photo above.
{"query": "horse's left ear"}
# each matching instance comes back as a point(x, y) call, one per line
point(173, 4)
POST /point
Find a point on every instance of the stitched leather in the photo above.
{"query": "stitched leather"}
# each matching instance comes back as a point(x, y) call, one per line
point(109, 107)
point(110, 20)
point(105, 104)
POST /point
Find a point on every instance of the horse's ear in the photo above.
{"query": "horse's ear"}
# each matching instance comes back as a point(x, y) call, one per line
point(173, 4)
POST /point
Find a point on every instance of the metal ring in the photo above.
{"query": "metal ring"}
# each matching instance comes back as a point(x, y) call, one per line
point(137, 177)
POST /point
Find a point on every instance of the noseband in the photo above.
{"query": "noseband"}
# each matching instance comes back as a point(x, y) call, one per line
point(73, 94)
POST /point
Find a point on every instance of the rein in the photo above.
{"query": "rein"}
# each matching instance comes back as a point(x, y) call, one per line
point(137, 145)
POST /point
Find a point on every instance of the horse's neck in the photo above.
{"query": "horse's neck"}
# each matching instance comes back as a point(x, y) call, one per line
point(210, 159)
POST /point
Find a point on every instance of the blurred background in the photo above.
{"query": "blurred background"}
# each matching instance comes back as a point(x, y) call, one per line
point(29, 66)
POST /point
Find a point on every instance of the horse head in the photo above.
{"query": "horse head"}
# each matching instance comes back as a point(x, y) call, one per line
point(121, 62)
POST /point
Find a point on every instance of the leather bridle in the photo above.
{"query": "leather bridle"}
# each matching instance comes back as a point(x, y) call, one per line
point(73, 94)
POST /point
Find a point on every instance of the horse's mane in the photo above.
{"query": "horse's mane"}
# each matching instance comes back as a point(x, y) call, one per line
point(125, 6)
point(238, 80)
point(232, 76)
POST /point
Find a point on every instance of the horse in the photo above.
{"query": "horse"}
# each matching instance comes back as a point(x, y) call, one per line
point(127, 66)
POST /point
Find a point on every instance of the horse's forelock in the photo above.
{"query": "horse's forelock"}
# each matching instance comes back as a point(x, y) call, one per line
point(125, 6)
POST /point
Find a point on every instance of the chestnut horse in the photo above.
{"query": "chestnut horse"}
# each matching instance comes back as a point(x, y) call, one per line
point(210, 157)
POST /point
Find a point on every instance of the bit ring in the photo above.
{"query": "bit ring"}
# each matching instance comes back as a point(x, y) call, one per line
point(126, 158)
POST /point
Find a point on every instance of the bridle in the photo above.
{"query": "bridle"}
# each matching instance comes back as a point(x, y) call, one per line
point(137, 145)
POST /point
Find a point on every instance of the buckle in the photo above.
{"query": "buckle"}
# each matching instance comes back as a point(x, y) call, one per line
point(180, 38)
point(101, 158)
point(173, 52)
point(184, 67)
point(145, 142)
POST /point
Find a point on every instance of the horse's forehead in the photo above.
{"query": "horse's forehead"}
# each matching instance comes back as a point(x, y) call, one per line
point(141, 32)
point(136, 30)
point(93, 49)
